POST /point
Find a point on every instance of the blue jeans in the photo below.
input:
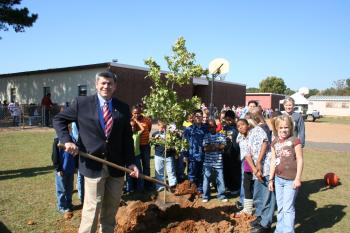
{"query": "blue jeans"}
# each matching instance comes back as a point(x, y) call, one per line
point(64, 191)
point(285, 196)
point(15, 120)
point(134, 183)
point(145, 162)
point(219, 173)
point(180, 167)
point(170, 169)
point(264, 202)
point(47, 116)
point(195, 173)
point(241, 194)
point(80, 186)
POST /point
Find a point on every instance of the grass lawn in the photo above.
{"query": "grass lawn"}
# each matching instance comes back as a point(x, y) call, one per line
point(335, 120)
point(27, 190)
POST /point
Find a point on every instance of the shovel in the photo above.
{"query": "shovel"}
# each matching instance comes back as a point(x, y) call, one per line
point(116, 166)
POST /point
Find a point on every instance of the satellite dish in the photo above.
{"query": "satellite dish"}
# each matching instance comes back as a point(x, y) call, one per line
point(303, 90)
point(219, 66)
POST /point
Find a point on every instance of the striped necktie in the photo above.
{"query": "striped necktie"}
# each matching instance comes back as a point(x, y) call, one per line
point(107, 116)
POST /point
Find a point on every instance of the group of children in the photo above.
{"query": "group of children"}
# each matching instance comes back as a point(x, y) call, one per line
point(262, 162)
point(272, 162)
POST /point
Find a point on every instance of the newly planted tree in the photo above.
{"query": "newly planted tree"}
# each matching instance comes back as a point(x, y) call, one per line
point(163, 102)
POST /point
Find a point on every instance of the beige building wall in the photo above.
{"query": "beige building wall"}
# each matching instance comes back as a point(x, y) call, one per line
point(63, 85)
point(331, 108)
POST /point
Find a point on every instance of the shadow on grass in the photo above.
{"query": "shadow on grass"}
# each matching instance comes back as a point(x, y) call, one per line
point(3, 228)
point(25, 172)
point(310, 217)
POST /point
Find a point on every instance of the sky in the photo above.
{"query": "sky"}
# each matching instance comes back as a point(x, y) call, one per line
point(307, 43)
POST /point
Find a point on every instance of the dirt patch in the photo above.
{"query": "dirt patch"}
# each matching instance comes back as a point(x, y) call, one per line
point(326, 132)
point(186, 187)
point(183, 213)
point(144, 212)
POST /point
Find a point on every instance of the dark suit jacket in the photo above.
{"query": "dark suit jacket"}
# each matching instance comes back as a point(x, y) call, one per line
point(117, 148)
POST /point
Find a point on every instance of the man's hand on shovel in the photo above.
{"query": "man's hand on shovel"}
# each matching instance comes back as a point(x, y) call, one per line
point(135, 171)
point(71, 148)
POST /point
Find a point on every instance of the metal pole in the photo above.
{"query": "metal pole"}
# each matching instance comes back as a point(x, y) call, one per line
point(213, 76)
point(164, 164)
point(211, 107)
point(42, 116)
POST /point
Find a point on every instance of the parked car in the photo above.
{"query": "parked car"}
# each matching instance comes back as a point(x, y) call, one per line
point(308, 114)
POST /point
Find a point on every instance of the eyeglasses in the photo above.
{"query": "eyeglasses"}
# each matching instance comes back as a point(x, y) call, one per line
point(198, 115)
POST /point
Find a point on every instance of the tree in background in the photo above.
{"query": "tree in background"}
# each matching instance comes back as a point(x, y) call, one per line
point(273, 84)
point(18, 18)
point(252, 90)
point(163, 102)
point(312, 92)
point(341, 87)
point(289, 91)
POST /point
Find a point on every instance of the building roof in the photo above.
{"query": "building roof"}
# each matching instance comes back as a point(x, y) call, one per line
point(62, 69)
point(197, 80)
point(329, 98)
point(263, 94)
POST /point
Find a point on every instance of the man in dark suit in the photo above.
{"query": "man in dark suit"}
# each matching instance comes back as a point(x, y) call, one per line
point(104, 131)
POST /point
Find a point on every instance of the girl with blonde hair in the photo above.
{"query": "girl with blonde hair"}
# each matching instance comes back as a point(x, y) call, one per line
point(285, 172)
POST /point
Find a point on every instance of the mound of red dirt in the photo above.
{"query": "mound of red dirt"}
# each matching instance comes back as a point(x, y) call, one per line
point(186, 187)
point(169, 213)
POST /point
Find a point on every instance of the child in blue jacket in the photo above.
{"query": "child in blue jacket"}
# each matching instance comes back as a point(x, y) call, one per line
point(65, 165)
point(194, 135)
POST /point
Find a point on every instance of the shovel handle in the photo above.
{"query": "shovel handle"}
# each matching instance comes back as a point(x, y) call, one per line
point(116, 166)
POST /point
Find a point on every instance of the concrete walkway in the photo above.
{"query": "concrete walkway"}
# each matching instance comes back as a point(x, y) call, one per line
point(327, 146)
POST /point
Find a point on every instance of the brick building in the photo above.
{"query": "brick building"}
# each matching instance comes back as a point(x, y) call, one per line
point(266, 100)
point(66, 83)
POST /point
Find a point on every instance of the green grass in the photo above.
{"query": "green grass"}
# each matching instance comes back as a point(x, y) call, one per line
point(319, 208)
point(334, 120)
point(27, 190)
point(27, 181)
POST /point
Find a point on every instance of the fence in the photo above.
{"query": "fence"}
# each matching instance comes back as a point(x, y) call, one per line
point(27, 115)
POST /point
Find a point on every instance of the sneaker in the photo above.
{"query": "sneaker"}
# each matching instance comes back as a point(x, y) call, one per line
point(224, 200)
point(172, 188)
point(241, 213)
point(255, 222)
point(239, 205)
point(260, 229)
point(205, 200)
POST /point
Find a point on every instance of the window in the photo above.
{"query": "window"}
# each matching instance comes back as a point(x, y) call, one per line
point(46, 90)
point(13, 94)
point(337, 105)
point(82, 90)
point(330, 105)
point(344, 105)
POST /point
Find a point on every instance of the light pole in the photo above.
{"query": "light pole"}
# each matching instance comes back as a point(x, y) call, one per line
point(218, 66)
point(211, 106)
